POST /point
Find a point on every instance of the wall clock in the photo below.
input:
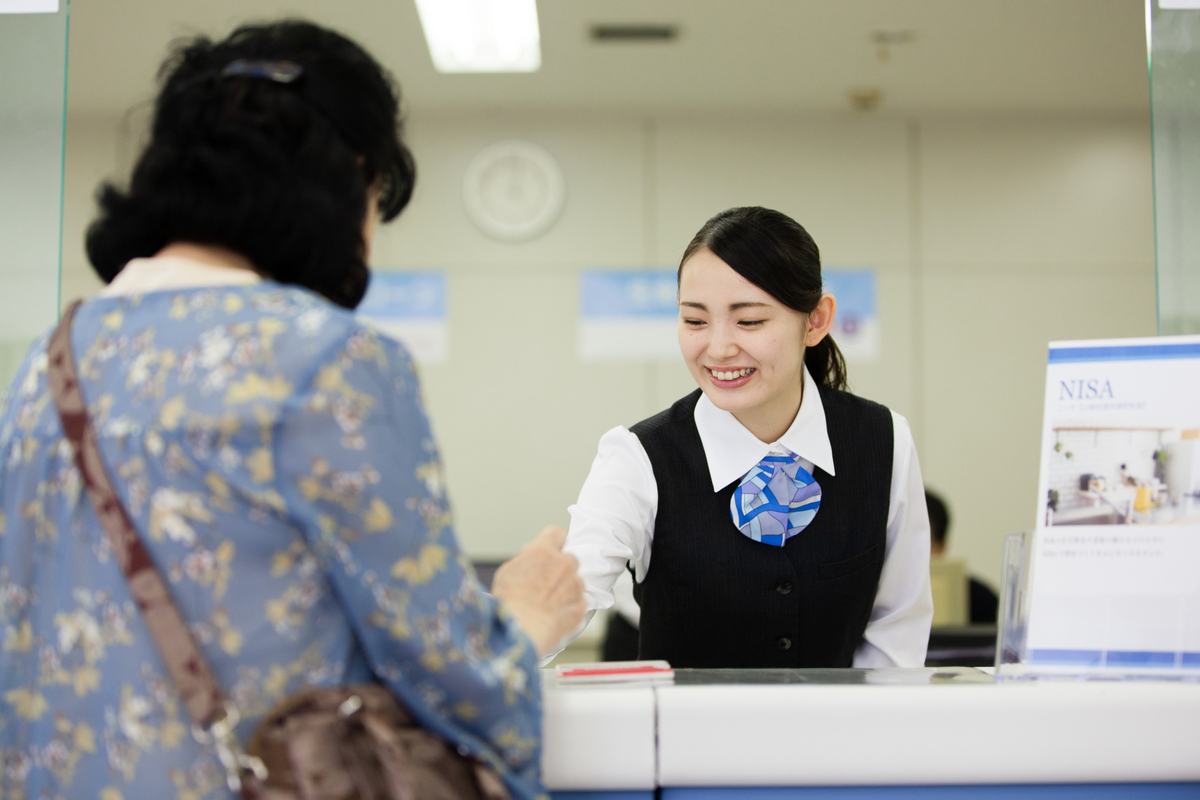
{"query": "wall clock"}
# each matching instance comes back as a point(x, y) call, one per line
point(514, 191)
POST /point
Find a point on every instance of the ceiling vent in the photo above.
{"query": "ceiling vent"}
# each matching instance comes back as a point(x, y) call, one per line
point(634, 33)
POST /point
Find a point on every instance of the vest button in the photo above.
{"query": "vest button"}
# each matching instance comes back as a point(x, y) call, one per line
point(783, 643)
point(784, 587)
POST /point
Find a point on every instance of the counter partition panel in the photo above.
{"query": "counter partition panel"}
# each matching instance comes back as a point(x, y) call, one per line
point(1173, 40)
point(33, 86)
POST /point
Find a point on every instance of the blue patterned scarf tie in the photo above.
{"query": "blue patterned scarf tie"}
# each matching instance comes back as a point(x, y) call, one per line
point(777, 499)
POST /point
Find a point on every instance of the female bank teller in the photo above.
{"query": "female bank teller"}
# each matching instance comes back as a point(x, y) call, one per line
point(785, 516)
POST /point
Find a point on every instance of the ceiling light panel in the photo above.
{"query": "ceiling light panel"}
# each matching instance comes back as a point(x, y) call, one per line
point(482, 35)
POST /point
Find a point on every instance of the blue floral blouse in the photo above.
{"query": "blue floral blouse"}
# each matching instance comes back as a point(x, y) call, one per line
point(275, 456)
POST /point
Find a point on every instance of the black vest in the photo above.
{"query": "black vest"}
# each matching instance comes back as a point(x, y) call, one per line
point(714, 598)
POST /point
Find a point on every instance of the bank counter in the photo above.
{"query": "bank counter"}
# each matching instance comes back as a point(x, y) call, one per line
point(870, 734)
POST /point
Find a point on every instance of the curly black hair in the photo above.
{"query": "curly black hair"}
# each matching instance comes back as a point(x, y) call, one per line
point(277, 170)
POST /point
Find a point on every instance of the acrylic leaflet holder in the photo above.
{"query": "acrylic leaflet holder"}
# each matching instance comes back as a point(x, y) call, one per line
point(1015, 660)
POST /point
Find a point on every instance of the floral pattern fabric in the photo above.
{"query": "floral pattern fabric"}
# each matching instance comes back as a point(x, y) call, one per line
point(275, 457)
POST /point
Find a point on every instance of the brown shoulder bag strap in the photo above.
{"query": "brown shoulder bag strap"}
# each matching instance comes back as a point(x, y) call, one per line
point(183, 661)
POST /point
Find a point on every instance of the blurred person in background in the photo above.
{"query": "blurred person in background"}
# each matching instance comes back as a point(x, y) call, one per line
point(271, 451)
point(982, 602)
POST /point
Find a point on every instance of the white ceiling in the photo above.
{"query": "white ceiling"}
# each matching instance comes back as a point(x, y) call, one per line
point(1006, 56)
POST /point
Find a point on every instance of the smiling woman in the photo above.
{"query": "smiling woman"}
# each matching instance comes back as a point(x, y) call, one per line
point(749, 342)
point(786, 515)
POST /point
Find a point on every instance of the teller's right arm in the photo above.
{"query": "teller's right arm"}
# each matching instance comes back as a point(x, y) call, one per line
point(612, 524)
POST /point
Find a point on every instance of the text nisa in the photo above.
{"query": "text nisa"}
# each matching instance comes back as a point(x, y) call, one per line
point(1085, 389)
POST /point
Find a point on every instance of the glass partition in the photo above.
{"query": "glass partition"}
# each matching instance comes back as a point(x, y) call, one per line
point(1173, 31)
point(33, 85)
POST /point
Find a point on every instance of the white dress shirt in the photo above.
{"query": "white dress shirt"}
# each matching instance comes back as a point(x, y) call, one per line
point(612, 524)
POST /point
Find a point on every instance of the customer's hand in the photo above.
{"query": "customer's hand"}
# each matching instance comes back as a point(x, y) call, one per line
point(542, 588)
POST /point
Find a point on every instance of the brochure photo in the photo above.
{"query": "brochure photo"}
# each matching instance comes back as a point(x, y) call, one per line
point(1116, 575)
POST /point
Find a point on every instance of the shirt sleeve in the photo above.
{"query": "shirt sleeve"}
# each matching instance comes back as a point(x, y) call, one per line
point(612, 524)
point(897, 634)
point(362, 479)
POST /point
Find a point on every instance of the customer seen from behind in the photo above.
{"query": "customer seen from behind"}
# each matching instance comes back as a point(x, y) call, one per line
point(270, 450)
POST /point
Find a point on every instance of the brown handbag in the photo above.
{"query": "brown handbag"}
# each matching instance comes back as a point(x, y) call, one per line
point(354, 742)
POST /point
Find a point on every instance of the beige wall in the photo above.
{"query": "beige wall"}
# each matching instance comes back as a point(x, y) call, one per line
point(991, 236)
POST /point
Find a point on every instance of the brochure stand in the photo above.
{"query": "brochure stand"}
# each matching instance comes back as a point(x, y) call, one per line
point(1107, 585)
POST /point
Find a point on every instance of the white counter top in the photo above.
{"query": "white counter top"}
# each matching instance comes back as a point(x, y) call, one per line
point(885, 731)
point(971, 734)
point(598, 737)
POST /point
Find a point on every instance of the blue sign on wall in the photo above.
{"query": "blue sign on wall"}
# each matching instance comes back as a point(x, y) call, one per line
point(405, 295)
point(612, 294)
point(856, 325)
point(628, 315)
point(410, 306)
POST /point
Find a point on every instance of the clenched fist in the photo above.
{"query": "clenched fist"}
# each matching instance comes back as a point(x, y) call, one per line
point(542, 588)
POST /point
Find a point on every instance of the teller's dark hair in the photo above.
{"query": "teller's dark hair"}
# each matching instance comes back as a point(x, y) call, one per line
point(265, 143)
point(776, 254)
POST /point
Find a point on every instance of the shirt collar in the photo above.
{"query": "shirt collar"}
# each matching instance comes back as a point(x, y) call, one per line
point(731, 450)
point(160, 273)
